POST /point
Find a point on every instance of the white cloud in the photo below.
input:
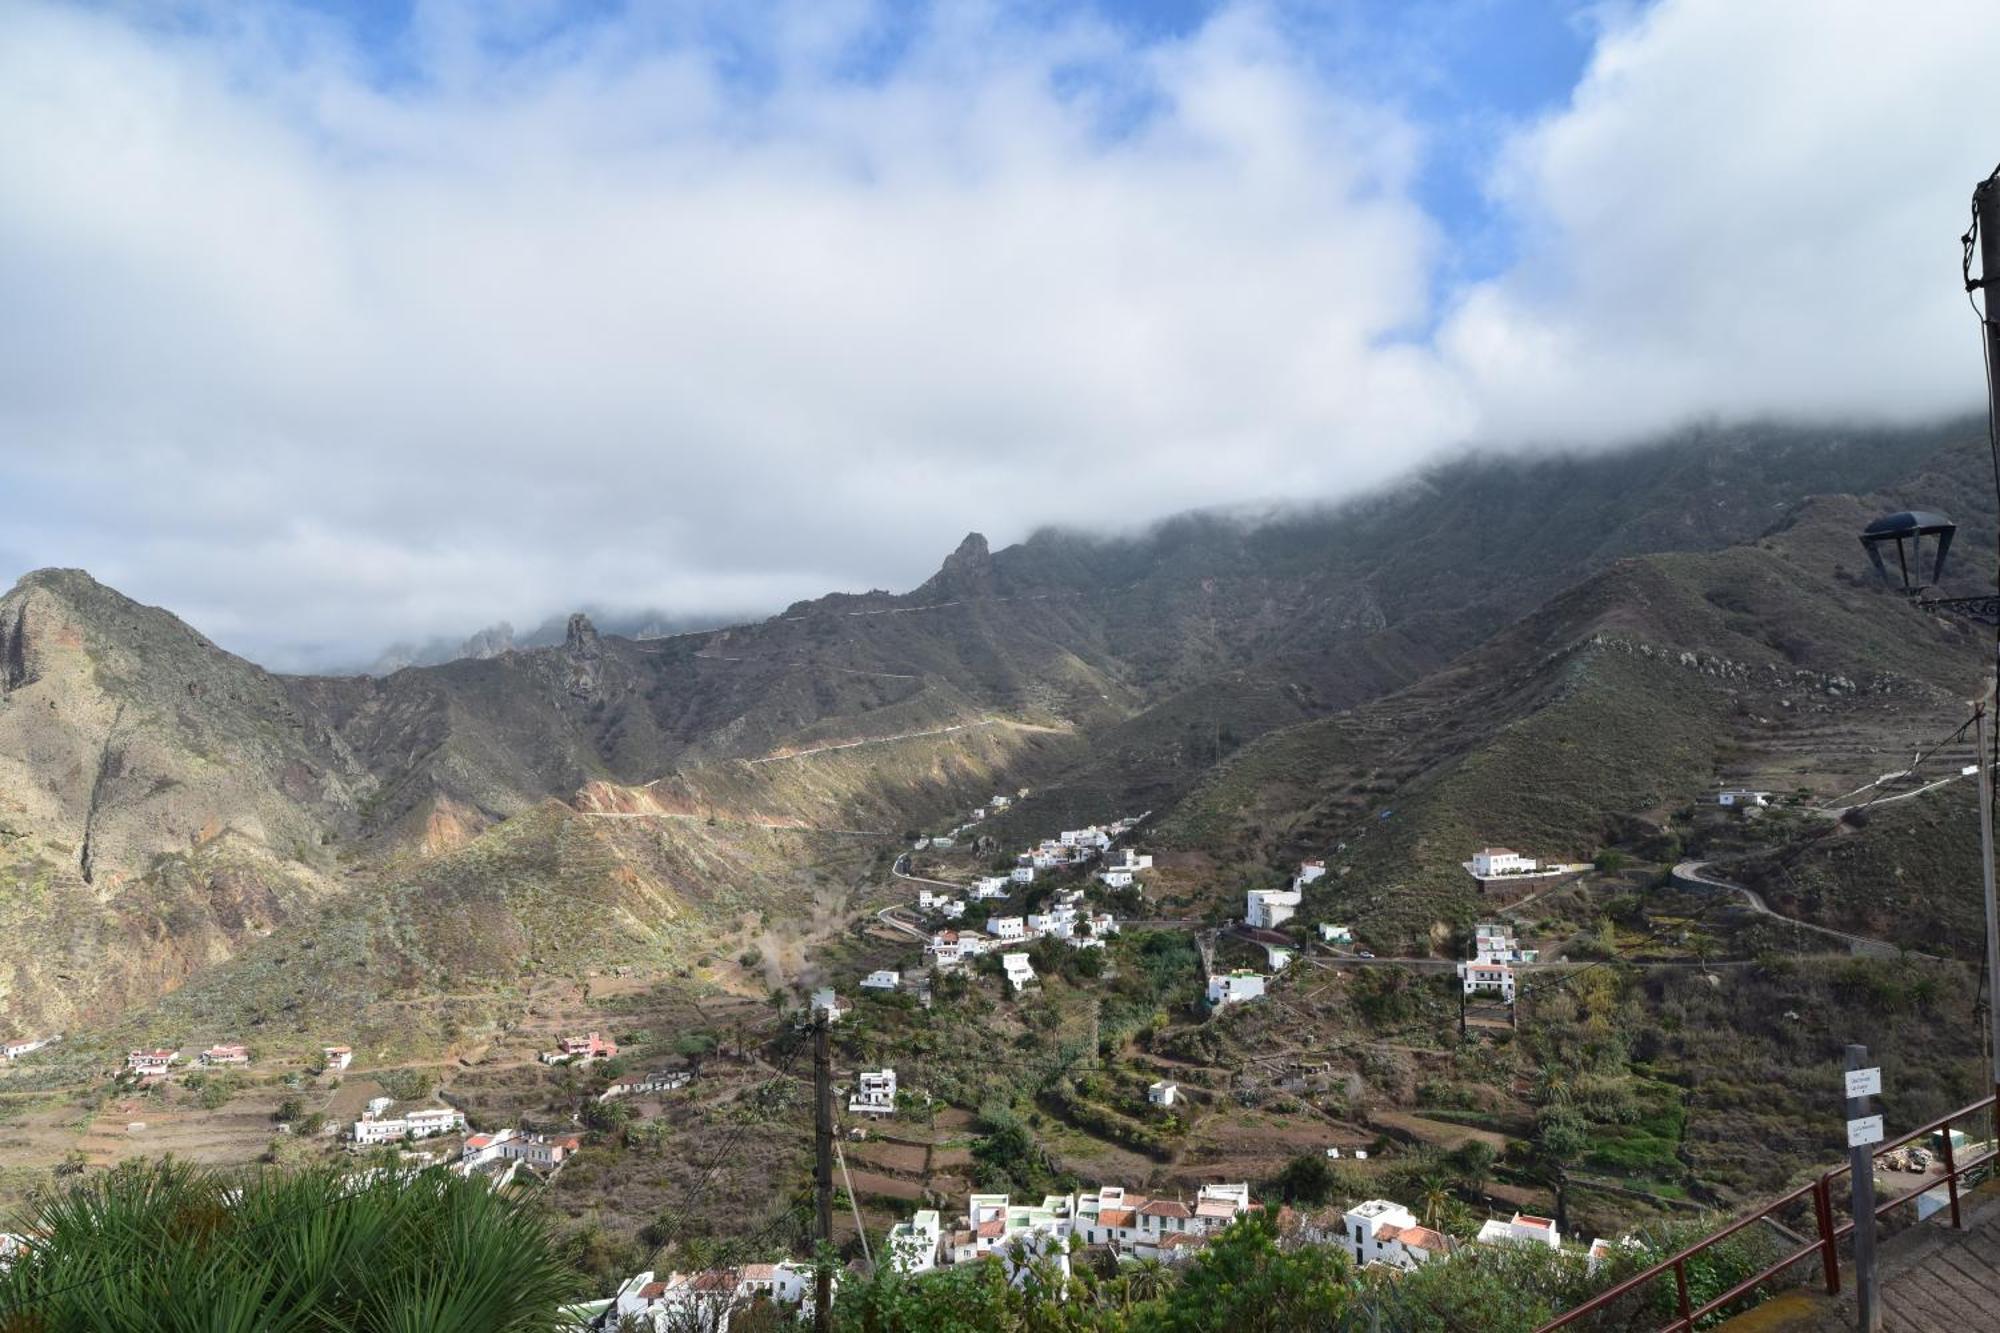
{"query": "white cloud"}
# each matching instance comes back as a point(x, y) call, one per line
point(599, 322)
point(682, 310)
point(1746, 210)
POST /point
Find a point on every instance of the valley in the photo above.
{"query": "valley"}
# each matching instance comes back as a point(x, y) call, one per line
point(675, 843)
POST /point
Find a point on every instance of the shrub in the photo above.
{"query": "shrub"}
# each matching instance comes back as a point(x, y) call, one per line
point(292, 1250)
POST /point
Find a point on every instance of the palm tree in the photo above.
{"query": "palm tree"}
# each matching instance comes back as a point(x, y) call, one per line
point(1147, 1279)
point(1435, 1198)
point(286, 1253)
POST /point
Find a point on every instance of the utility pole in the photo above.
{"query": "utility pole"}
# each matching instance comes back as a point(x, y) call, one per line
point(1986, 216)
point(823, 1172)
point(1983, 725)
point(1863, 1132)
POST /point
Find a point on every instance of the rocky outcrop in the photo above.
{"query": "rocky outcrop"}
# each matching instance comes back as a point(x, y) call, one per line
point(584, 652)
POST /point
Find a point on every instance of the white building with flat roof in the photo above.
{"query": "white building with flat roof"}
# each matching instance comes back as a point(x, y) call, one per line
point(1267, 909)
point(874, 1093)
point(1489, 862)
point(913, 1245)
point(1235, 987)
point(1019, 971)
point(882, 979)
point(1163, 1093)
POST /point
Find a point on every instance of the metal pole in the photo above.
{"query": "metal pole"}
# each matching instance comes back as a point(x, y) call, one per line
point(1984, 725)
point(1861, 1173)
point(823, 1173)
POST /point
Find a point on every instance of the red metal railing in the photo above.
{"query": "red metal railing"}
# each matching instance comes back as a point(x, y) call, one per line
point(1826, 1239)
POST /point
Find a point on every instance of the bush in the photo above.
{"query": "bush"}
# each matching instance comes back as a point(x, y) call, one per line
point(291, 1250)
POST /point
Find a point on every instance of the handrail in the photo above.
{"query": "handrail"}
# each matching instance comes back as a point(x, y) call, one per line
point(1827, 1239)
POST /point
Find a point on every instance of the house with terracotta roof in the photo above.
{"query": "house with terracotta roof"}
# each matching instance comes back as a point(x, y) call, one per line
point(540, 1150)
point(151, 1064)
point(708, 1299)
point(1488, 978)
point(583, 1050)
point(336, 1058)
point(1523, 1229)
point(14, 1050)
point(1382, 1232)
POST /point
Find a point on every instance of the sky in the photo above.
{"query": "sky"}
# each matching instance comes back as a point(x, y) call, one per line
point(328, 325)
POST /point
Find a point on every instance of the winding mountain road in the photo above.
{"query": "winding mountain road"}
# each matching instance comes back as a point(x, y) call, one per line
point(1696, 874)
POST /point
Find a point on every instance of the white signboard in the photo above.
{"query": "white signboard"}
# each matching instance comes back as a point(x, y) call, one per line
point(1864, 1082)
point(1866, 1130)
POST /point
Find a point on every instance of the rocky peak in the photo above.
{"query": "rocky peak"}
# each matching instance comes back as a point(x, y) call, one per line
point(581, 640)
point(966, 572)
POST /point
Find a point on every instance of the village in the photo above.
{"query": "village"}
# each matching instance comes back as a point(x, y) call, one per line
point(982, 926)
point(968, 922)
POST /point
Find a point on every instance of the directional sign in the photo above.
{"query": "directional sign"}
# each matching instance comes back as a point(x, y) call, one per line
point(1866, 1130)
point(1864, 1082)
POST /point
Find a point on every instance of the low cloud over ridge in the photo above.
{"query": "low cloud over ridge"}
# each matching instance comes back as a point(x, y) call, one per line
point(327, 341)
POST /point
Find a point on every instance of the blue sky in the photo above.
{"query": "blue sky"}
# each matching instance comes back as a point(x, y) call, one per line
point(331, 324)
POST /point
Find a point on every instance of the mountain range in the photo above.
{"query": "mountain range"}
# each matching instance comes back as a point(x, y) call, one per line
point(1549, 651)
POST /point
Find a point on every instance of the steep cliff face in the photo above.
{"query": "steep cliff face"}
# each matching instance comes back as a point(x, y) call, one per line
point(163, 800)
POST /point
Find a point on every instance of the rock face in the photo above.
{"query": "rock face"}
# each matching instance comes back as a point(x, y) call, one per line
point(967, 571)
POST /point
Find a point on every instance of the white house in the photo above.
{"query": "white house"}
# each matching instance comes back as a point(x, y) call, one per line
point(1116, 879)
point(1019, 971)
point(664, 1081)
point(882, 979)
point(1522, 1230)
point(1235, 987)
point(913, 1245)
point(1740, 797)
point(1001, 802)
point(1492, 942)
point(1007, 928)
point(14, 1050)
point(825, 1002)
point(920, 844)
point(379, 1125)
point(1131, 861)
point(1023, 875)
point(1495, 978)
point(1311, 872)
point(1489, 862)
point(706, 1300)
point(336, 1058)
point(1163, 1093)
point(151, 1064)
point(1333, 934)
point(1270, 908)
point(1382, 1232)
point(945, 949)
point(991, 886)
point(942, 842)
point(515, 1145)
point(875, 1093)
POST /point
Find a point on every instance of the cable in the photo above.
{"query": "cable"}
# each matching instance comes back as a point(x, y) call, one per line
point(721, 1158)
